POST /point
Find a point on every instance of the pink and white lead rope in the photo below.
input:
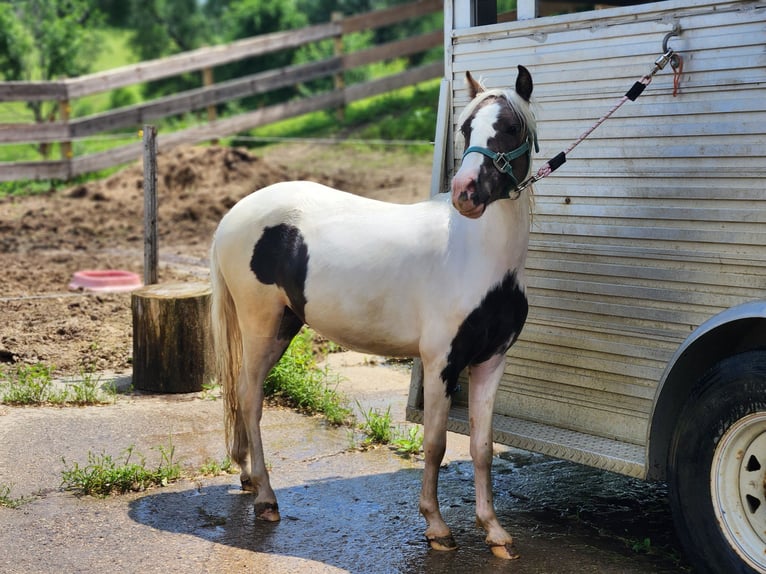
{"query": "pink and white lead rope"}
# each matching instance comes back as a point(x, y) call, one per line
point(555, 162)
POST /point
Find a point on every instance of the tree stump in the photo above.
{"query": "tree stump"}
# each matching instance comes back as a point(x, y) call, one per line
point(172, 341)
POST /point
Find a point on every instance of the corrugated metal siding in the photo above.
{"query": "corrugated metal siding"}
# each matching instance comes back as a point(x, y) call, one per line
point(655, 223)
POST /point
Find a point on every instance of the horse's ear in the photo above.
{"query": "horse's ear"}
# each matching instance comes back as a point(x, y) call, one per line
point(524, 83)
point(474, 87)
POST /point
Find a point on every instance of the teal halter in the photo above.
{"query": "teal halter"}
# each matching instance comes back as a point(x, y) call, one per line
point(503, 161)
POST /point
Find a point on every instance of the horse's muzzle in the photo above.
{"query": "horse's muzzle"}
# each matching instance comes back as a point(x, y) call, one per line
point(467, 199)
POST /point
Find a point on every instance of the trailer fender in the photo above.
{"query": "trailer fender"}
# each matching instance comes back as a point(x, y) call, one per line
point(732, 331)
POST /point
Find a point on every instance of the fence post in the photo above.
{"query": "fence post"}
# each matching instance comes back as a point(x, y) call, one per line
point(65, 146)
point(339, 82)
point(207, 80)
point(150, 205)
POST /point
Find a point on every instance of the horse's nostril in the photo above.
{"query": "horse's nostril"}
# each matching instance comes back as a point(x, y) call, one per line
point(463, 196)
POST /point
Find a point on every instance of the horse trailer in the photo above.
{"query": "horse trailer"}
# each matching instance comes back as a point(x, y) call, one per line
point(644, 352)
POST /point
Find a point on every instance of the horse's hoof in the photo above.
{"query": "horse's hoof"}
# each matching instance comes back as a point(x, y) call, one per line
point(247, 485)
point(505, 551)
point(443, 543)
point(267, 511)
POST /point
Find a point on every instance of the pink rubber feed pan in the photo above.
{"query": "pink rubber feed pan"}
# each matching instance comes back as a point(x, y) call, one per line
point(106, 280)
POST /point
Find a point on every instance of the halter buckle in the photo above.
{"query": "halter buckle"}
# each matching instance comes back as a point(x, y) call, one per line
point(503, 164)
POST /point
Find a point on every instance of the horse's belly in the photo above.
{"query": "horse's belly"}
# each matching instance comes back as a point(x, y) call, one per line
point(367, 325)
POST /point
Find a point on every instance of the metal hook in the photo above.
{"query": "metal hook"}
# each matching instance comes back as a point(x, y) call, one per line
point(676, 31)
point(667, 53)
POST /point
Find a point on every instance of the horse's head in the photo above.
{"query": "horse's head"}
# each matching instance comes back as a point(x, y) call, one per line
point(498, 129)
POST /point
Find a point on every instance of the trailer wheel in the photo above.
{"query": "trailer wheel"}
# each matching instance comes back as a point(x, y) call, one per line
point(717, 468)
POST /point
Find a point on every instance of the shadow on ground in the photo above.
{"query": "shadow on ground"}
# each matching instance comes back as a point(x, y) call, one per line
point(577, 520)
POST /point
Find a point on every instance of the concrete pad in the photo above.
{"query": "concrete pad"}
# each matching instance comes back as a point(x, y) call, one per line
point(342, 510)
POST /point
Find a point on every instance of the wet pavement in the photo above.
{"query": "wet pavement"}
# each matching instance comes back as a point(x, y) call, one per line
point(343, 510)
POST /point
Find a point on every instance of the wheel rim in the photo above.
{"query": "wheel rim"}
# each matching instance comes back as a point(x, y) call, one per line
point(738, 488)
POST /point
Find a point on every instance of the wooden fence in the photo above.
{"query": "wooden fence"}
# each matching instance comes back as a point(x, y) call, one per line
point(204, 60)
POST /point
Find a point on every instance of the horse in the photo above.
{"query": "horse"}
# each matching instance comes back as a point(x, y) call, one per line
point(442, 280)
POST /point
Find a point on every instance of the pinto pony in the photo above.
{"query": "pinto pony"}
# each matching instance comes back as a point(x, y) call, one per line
point(442, 280)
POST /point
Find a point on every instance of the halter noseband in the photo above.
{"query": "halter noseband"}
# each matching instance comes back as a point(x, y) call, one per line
point(502, 161)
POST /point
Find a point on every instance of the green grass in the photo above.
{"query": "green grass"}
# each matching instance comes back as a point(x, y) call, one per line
point(8, 501)
point(34, 385)
point(378, 429)
point(216, 468)
point(376, 426)
point(89, 390)
point(409, 443)
point(102, 475)
point(31, 385)
point(405, 114)
point(298, 381)
point(113, 52)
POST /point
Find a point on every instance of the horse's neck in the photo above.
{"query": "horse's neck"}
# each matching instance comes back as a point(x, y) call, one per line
point(514, 217)
point(497, 241)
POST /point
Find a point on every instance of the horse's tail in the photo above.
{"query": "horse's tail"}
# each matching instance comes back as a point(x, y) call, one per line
point(227, 341)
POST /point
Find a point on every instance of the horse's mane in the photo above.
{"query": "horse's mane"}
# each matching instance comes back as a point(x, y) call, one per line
point(523, 109)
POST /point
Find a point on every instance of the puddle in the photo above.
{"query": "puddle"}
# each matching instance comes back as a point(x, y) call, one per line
point(619, 512)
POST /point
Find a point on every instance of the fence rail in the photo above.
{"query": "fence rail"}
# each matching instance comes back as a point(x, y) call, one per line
point(204, 60)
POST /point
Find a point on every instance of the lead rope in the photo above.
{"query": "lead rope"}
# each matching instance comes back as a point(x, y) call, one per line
point(558, 160)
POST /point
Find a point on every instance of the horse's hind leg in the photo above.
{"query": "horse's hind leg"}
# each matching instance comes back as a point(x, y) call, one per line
point(260, 354)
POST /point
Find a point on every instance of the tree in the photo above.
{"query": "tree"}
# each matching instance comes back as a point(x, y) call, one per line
point(16, 44)
point(116, 12)
point(246, 18)
point(165, 27)
point(44, 40)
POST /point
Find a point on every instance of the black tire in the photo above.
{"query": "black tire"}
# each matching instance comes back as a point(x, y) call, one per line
point(722, 524)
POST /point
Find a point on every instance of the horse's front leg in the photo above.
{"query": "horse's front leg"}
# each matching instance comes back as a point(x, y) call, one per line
point(436, 404)
point(484, 381)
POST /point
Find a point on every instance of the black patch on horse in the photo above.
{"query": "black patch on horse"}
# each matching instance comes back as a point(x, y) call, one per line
point(281, 257)
point(289, 325)
point(488, 330)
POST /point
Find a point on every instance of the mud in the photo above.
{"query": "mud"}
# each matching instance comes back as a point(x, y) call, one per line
point(45, 239)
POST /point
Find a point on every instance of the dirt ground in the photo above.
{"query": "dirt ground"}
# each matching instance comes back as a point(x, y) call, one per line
point(44, 239)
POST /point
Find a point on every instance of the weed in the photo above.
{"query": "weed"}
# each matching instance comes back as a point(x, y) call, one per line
point(297, 380)
point(377, 426)
point(211, 390)
point(32, 385)
point(102, 475)
point(410, 443)
point(640, 546)
point(7, 500)
point(378, 429)
point(215, 468)
point(88, 390)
